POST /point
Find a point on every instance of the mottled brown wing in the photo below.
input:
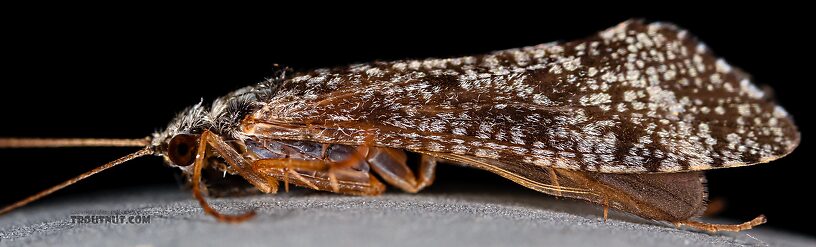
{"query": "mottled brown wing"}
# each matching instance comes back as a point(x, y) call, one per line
point(636, 98)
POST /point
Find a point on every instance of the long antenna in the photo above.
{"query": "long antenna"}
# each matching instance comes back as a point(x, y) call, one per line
point(70, 142)
point(19, 143)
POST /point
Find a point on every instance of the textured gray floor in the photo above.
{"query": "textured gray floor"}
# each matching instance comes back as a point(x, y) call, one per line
point(453, 217)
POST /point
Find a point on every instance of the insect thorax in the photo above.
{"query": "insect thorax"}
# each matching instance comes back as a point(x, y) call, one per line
point(222, 117)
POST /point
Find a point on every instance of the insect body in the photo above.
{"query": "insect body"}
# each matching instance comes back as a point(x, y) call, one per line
point(628, 118)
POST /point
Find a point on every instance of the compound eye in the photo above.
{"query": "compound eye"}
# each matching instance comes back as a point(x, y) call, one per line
point(182, 149)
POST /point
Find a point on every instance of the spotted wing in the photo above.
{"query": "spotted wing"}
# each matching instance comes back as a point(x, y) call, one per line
point(636, 98)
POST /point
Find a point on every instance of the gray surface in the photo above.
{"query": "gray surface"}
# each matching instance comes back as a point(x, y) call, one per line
point(457, 217)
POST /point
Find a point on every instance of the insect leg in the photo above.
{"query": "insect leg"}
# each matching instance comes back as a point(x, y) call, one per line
point(759, 220)
point(427, 171)
point(288, 166)
point(264, 183)
point(198, 164)
point(391, 165)
point(357, 157)
point(315, 174)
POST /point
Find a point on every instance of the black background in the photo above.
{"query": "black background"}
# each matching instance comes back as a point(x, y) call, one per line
point(126, 75)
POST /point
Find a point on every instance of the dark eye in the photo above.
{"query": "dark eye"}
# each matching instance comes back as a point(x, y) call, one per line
point(182, 149)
